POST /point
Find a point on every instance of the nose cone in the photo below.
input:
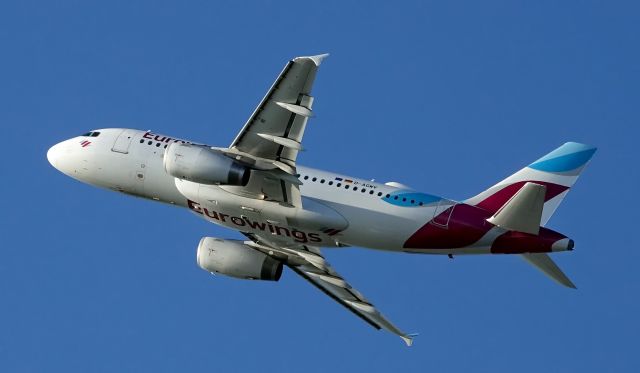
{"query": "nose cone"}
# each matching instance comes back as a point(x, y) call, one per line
point(63, 157)
point(53, 155)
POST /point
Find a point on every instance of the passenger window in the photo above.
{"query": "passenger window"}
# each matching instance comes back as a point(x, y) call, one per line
point(331, 183)
point(322, 181)
point(338, 185)
point(314, 179)
point(306, 177)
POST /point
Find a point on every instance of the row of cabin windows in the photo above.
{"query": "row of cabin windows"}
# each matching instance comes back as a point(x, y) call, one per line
point(362, 190)
point(159, 143)
point(151, 143)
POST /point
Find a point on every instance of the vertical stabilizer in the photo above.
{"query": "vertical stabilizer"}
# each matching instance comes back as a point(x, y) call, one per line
point(557, 171)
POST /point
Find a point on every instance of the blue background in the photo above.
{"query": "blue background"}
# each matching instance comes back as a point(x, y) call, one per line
point(448, 97)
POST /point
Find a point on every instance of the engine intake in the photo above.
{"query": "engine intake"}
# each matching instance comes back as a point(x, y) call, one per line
point(235, 259)
point(202, 165)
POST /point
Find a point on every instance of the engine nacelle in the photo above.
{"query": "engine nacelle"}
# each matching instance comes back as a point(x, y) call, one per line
point(235, 259)
point(202, 165)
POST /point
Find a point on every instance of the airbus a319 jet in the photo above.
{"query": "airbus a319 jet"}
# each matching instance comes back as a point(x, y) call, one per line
point(289, 212)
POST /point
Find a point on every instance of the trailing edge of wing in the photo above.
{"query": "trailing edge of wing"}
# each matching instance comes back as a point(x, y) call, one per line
point(544, 263)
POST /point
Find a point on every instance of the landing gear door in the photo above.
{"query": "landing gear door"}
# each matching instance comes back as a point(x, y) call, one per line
point(123, 141)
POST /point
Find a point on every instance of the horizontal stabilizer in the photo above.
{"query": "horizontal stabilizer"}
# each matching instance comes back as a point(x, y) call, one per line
point(522, 213)
point(544, 263)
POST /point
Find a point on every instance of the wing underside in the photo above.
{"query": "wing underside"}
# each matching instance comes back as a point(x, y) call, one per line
point(308, 262)
point(275, 129)
point(271, 138)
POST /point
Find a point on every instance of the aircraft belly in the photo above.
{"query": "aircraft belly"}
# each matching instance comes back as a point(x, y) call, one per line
point(375, 229)
point(316, 225)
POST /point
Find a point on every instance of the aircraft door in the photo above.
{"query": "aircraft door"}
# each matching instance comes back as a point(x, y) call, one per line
point(122, 143)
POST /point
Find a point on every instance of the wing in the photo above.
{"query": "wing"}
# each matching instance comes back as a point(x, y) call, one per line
point(275, 129)
point(308, 262)
point(272, 137)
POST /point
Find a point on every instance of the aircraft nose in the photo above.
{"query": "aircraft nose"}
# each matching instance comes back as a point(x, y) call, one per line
point(53, 155)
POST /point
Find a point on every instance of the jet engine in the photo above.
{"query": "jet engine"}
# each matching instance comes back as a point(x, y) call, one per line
point(202, 165)
point(235, 259)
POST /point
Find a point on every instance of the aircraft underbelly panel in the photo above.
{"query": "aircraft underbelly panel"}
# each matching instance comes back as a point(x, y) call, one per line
point(316, 224)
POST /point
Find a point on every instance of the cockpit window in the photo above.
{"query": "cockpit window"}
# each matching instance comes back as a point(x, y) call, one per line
point(91, 134)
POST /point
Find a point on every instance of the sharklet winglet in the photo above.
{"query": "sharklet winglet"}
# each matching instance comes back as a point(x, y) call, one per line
point(408, 338)
point(317, 59)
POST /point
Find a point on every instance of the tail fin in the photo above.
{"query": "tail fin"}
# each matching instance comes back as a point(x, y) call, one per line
point(557, 171)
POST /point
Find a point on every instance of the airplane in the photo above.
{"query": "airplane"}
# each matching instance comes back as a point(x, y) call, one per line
point(289, 212)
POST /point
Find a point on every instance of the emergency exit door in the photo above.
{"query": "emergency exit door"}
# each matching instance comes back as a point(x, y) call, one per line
point(123, 141)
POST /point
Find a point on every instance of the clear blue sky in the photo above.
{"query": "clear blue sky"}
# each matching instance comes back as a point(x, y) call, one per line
point(447, 97)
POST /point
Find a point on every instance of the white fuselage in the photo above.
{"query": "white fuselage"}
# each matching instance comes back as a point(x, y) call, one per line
point(337, 210)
